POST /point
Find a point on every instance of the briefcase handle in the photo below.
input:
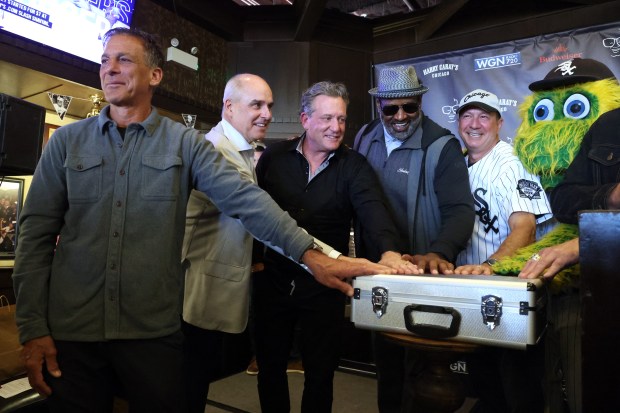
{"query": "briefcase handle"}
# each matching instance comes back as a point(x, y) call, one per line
point(428, 330)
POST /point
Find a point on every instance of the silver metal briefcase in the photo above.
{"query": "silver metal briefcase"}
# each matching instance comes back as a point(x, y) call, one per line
point(490, 310)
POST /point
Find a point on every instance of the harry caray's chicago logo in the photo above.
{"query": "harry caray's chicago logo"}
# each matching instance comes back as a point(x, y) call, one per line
point(528, 189)
point(441, 70)
point(496, 62)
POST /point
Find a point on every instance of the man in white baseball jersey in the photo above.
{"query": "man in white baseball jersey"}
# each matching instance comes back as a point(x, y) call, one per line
point(509, 201)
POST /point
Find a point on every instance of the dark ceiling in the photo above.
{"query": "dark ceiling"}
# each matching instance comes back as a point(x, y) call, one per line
point(230, 18)
point(369, 9)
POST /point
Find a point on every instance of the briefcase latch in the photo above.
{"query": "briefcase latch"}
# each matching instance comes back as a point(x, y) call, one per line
point(491, 308)
point(379, 300)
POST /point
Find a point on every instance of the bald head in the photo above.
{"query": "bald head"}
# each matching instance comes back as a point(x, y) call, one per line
point(247, 105)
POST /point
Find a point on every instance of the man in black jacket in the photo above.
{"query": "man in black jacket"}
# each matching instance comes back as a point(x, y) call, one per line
point(421, 168)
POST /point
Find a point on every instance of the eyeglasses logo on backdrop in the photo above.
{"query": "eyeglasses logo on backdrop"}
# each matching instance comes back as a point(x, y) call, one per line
point(613, 44)
point(450, 110)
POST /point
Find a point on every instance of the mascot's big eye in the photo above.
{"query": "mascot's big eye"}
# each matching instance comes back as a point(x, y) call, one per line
point(544, 110)
point(577, 106)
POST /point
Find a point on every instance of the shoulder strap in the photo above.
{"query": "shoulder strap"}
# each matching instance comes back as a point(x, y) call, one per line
point(422, 161)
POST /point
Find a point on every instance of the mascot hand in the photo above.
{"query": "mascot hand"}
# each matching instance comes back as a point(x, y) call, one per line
point(565, 279)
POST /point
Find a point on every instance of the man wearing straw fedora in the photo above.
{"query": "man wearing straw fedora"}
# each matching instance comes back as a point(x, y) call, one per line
point(421, 169)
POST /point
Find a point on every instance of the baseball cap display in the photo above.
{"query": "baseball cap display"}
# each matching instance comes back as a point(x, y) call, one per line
point(572, 72)
point(482, 99)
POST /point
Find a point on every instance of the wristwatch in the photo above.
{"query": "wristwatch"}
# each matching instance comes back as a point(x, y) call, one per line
point(323, 248)
point(490, 262)
point(316, 246)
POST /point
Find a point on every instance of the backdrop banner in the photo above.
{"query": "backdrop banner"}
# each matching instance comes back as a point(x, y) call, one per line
point(506, 69)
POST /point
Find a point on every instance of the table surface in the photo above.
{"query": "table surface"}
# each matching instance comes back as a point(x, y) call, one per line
point(10, 348)
point(431, 344)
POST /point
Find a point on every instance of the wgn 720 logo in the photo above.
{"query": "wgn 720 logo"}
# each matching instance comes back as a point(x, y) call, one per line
point(495, 62)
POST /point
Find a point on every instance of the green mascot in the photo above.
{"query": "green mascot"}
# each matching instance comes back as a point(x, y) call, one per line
point(555, 118)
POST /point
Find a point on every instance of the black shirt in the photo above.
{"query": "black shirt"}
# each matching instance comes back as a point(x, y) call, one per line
point(346, 189)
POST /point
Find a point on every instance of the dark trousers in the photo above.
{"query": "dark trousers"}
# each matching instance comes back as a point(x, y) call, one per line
point(147, 373)
point(277, 307)
point(507, 380)
point(202, 353)
point(563, 358)
point(397, 368)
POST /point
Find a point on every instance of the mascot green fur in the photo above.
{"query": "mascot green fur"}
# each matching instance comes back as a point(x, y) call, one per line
point(555, 119)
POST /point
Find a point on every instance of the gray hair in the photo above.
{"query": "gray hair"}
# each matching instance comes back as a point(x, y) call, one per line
point(152, 49)
point(325, 88)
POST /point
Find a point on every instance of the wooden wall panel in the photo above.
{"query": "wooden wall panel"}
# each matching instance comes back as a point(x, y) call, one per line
point(284, 65)
point(351, 67)
point(201, 89)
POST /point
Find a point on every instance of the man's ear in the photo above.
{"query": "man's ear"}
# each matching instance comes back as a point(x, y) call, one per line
point(303, 119)
point(157, 75)
point(227, 104)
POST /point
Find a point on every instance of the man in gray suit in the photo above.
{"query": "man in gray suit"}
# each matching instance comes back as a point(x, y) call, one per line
point(217, 249)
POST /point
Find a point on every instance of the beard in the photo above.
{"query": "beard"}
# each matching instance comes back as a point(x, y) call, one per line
point(402, 135)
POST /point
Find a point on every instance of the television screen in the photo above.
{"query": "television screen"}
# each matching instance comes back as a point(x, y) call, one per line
point(73, 26)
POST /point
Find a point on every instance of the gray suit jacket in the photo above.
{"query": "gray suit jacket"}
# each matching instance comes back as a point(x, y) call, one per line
point(218, 251)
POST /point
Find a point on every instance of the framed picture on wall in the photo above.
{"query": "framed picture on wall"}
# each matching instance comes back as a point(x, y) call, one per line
point(11, 199)
point(48, 132)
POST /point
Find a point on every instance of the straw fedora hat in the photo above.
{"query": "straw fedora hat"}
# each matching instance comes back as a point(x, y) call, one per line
point(398, 82)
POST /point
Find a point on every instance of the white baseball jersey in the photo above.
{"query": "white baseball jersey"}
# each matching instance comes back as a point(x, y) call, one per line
point(500, 186)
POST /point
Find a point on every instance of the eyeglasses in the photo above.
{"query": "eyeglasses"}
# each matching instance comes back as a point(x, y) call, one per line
point(611, 42)
point(391, 110)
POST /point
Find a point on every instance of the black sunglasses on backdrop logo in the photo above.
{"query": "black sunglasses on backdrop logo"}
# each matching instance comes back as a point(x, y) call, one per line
point(391, 110)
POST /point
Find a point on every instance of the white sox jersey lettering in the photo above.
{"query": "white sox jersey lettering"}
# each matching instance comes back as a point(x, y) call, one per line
point(500, 186)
